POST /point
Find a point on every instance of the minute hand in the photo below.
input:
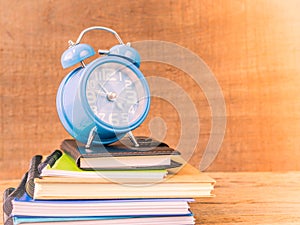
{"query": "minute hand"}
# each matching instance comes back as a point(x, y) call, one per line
point(103, 88)
point(126, 100)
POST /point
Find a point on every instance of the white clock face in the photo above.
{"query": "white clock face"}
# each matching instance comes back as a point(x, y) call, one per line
point(116, 95)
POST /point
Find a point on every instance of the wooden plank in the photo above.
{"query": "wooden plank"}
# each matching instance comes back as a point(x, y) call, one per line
point(252, 198)
point(245, 198)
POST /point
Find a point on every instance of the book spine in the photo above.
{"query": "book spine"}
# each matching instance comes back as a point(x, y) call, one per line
point(71, 150)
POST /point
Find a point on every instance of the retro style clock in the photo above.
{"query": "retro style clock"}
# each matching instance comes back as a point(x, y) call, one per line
point(101, 101)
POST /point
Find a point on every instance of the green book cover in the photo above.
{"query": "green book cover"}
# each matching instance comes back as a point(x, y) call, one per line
point(65, 162)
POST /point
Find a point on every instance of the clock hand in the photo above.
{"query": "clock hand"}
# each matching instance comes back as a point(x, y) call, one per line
point(125, 103)
point(111, 96)
point(126, 100)
point(139, 100)
point(103, 88)
point(109, 76)
point(99, 92)
point(121, 98)
point(120, 105)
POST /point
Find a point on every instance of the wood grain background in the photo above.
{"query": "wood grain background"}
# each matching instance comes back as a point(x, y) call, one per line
point(252, 47)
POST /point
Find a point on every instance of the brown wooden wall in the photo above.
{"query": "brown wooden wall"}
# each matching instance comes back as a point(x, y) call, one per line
point(252, 47)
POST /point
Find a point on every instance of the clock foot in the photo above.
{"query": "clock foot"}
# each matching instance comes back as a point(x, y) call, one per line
point(91, 137)
point(132, 139)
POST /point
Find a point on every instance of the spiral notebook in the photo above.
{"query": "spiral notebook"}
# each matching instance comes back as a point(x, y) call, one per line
point(19, 207)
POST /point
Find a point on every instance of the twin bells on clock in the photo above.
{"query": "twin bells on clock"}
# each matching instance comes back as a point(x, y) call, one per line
point(103, 100)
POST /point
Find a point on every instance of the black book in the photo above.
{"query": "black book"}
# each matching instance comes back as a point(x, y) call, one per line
point(150, 154)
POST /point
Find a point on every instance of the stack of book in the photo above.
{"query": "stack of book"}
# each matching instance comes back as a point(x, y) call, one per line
point(114, 184)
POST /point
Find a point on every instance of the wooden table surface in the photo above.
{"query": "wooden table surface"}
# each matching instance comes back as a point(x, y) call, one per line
point(245, 198)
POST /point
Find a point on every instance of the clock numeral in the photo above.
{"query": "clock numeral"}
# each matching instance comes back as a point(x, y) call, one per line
point(117, 119)
point(91, 96)
point(93, 84)
point(128, 83)
point(115, 77)
point(113, 119)
point(94, 109)
point(120, 76)
point(132, 109)
point(106, 74)
point(125, 118)
point(103, 74)
point(100, 115)
point(131, 96)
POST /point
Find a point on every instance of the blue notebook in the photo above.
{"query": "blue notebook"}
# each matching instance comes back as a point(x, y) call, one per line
point(135, 210)
point(130, 220)
point(26, 206)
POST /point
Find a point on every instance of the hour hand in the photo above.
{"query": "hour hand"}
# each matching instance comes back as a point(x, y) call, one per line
point(102, 93)
point(120, 105)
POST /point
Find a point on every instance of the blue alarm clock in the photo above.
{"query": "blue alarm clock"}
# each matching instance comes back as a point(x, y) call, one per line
point(102, 101)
